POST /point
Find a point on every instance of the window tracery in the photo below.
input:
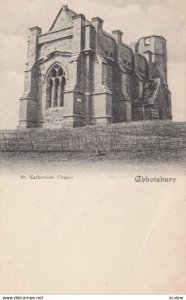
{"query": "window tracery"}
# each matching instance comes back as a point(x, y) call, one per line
point(56, 82)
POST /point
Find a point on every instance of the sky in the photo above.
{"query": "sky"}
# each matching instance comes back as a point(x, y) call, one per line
point(135, 18)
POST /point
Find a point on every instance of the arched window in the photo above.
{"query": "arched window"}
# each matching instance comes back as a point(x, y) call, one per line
point(55, 87)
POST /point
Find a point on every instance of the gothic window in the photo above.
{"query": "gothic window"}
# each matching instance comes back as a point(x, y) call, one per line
point(55, 87)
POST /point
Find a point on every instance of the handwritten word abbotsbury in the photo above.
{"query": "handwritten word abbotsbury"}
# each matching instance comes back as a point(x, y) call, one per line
point(159, 179)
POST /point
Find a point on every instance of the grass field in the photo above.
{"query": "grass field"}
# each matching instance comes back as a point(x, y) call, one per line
point(147, 143)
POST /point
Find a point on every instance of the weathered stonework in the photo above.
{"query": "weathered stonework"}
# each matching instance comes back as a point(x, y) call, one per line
point(77, 74)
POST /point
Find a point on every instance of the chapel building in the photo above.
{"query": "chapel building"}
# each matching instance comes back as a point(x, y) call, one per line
point(77, 74)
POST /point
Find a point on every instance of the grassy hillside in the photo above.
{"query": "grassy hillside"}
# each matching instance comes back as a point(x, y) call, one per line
point(144, 141)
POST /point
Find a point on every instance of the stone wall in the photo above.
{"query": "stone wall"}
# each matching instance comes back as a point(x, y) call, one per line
point(64, 45)
point(142, 66)
point(108, 46)
point(125, 56)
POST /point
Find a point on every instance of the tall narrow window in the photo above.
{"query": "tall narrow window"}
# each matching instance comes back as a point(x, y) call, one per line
point(55, 87)
point(50, 92)
point(56, 92)
point(63, 82)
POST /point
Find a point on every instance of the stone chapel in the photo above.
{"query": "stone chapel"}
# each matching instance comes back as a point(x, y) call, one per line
point(77, 74)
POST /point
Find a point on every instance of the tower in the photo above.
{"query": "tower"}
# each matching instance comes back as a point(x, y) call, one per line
point(155, 50)
point(29, 100)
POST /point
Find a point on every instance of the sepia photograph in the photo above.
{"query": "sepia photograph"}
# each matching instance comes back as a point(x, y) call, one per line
point(92, 147)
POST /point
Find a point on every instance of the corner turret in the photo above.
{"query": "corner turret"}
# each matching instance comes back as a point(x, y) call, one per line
point(156, 45)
